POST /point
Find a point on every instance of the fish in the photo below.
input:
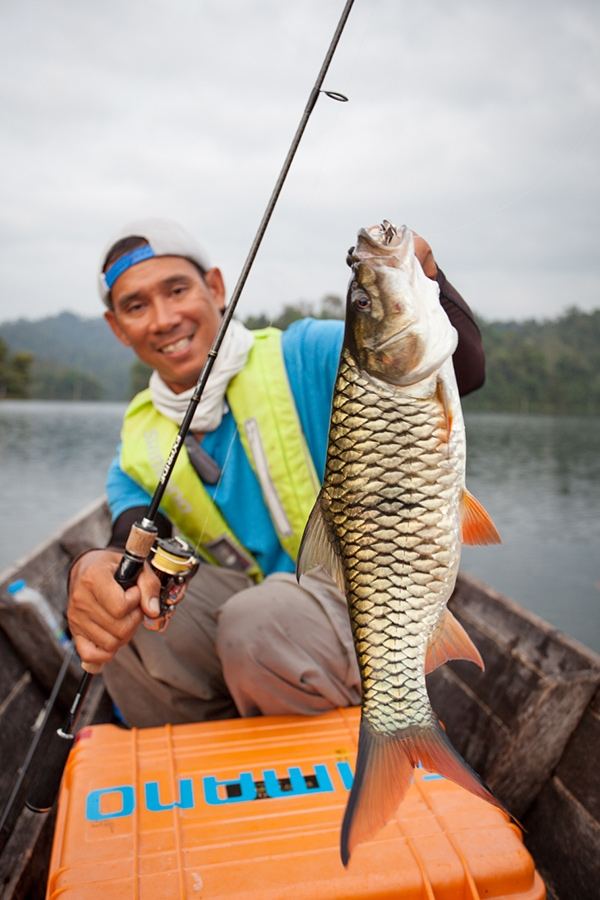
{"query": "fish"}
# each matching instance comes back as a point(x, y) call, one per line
point(390, 518)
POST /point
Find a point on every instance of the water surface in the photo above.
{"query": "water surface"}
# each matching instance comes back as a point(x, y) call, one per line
point(53, 461)
point(538, 476)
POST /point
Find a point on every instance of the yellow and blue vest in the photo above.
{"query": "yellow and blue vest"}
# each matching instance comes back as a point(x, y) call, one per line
point(267, 421)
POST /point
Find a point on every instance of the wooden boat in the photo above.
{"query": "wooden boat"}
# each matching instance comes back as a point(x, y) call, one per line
point(530, 725)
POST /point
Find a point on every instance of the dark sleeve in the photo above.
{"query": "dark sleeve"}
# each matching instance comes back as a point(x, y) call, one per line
point(123, 523)
point(469, 358)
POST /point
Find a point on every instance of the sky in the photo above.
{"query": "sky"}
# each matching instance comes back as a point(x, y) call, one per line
point(474, 122)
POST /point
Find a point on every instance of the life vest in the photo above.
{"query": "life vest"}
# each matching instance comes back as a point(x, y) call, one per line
point(263, 407)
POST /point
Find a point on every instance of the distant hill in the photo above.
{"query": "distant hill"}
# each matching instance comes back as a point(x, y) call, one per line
point(72, 352)
point(532, 366)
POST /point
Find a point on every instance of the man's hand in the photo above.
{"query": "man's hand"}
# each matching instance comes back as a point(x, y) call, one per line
point(102, 617)
point(424, 254)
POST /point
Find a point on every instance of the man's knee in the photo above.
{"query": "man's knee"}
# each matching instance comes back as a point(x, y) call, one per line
point(280, 652)
point(245, 626)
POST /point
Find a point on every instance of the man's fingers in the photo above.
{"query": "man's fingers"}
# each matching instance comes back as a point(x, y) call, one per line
point(424, 254)
point(92, 657)
point(149, 587)
point(158, 624)
point(91, 668)
point(102, 617)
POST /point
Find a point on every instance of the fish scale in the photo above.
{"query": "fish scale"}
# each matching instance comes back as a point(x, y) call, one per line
point(410, 468)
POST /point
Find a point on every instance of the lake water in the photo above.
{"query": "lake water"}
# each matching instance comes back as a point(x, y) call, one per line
point(539, 477)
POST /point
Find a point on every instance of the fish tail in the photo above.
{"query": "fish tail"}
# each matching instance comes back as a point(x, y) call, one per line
point(384, 768)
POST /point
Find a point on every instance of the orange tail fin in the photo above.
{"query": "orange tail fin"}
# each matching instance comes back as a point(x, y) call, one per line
point(384, 768)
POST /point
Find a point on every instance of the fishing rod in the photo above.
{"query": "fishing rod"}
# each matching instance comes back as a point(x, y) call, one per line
point(143, 535)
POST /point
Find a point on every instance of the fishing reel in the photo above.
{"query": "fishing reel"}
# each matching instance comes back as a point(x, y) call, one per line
point(174, 562)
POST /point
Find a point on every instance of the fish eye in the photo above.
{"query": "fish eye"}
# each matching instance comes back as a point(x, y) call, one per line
point(362, 300)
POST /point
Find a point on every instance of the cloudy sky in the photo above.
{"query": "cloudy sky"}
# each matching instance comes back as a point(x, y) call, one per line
point(475, 122)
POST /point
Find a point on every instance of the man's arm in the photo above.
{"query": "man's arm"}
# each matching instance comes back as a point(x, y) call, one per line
point(469, 358)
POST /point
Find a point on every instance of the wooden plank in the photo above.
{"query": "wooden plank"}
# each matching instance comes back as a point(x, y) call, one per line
point(517, 664)
point(525, 762)
point(471, 726)
point(34, 642)
point(30, 662)
point(537, 643)
point(565, 839)
point(20, 703)
point(537, 683)
point(25, 861)
point(15, 740)
point(46, 566)
point(45, 569)
point(579, 768)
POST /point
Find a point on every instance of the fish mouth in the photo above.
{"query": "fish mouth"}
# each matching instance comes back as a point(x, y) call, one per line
point(393, 338)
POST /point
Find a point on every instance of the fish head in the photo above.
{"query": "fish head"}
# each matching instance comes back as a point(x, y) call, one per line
point(396, 329)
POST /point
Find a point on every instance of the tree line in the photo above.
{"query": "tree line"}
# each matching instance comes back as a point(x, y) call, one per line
point(552, 366)
point(549, 366)
point(23, 377)
point(15, 372)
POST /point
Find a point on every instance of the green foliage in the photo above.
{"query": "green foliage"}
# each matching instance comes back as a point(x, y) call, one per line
point(69, 342)
point(549, 367)
point(53, 382)
point(15, 373)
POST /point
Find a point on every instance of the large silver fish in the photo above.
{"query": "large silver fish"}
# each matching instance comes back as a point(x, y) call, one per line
point(390, 517)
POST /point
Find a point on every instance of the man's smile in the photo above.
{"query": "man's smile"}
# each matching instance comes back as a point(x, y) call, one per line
point(177, 346)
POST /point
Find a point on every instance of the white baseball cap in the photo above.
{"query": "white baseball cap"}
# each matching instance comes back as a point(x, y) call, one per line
point(163, 238)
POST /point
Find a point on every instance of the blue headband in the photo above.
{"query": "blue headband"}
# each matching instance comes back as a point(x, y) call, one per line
point(126, 262)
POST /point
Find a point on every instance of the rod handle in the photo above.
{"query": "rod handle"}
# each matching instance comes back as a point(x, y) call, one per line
point(137, 550)
point(48, 765)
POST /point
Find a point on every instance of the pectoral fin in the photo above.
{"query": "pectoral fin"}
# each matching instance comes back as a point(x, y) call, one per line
point(319, 548)
point(476, 526)
point(446, 405)
point(450, 641)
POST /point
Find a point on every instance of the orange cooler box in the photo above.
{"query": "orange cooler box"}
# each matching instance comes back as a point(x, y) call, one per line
point(252, 808)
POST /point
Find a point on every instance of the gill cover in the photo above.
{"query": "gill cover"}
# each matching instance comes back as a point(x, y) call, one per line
point(396, 329)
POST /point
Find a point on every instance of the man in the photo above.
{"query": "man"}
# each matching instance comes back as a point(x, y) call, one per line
point(248, 639)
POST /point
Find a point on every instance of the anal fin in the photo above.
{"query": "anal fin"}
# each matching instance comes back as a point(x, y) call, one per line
point(450, 641)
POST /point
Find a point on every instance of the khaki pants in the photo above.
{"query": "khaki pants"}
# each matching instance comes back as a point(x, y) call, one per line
point(235, 648)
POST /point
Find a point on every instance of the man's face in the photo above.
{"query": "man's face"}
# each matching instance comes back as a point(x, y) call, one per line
point(169, 315)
